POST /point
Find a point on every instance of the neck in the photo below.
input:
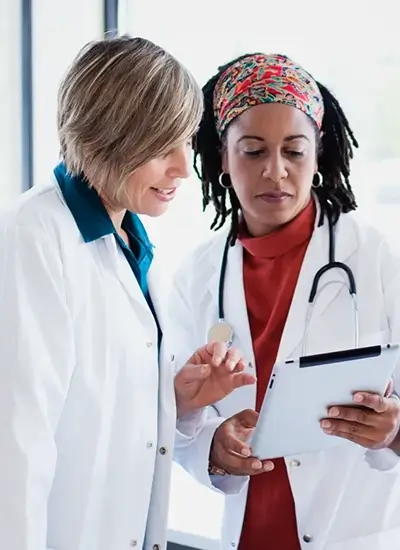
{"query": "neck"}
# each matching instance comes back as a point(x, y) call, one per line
point(116, 213)
point(116, 218)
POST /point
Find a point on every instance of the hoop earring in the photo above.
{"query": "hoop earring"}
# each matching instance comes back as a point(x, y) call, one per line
point(319, 182)
point(221, 182)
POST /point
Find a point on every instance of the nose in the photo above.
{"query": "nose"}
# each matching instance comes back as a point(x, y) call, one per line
point(275, 168)
point(180, 166)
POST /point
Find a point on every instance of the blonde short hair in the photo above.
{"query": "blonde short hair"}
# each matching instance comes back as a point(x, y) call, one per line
point(123, 102)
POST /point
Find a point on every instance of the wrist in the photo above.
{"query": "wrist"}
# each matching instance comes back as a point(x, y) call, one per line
point(183, 406)
point(394, 444)
point(183, 409)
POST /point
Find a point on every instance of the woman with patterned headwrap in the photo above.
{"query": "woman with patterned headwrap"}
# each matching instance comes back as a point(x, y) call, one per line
point(274, 150)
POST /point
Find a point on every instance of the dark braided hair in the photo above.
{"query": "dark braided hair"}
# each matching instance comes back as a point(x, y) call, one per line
point(335, 151)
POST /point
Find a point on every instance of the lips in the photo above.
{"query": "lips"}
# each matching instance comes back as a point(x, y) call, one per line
point(165, 194)
point(165, 191)
point(274, 196)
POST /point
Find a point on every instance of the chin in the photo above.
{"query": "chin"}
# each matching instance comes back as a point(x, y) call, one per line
point(154, 211)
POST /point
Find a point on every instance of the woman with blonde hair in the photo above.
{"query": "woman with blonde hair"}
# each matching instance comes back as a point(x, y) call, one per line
point(87, 396)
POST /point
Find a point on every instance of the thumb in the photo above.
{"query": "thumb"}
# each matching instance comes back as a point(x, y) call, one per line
point(247, 418)
point(389, 389)
point(192, 373)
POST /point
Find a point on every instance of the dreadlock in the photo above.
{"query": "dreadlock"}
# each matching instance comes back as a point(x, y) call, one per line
point(335, 153)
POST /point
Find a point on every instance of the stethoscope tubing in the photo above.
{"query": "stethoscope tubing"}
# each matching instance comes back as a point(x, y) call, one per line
point(332, 264)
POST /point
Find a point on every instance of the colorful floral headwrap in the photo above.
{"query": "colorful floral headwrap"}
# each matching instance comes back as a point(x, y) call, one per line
point(257, 79)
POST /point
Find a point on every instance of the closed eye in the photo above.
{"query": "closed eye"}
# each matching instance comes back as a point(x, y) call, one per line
point(295, 153)
point(253, 153)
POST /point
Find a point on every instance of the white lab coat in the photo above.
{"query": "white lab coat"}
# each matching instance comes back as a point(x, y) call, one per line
point(347, 498)
point(87, 411)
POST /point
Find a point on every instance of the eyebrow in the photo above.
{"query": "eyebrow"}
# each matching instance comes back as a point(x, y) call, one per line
point(288, 138)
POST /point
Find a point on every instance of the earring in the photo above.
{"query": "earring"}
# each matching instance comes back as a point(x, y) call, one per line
point(221, 182)
point(319, 182)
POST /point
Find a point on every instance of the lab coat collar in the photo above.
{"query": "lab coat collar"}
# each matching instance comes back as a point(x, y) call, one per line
point(90, 214)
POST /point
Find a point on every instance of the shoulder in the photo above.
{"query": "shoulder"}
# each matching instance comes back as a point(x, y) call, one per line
point(376, 251)
point(39, 214)
point(202, 261)
point(369, 238)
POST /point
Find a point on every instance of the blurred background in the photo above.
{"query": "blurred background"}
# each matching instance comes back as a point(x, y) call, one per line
point(351, 46)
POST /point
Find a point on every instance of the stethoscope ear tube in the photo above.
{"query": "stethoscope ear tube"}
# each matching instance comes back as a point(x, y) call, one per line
point(324, 269)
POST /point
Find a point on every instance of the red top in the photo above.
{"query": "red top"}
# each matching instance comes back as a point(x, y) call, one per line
point(271, 266)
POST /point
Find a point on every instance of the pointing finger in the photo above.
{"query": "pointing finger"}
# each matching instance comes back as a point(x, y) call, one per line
point(218, 351)
point(233, 359)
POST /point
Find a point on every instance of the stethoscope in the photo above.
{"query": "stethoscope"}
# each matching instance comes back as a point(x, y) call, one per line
point(222, 331)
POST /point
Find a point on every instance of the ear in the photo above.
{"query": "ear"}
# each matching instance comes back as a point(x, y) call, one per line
point(224, 160)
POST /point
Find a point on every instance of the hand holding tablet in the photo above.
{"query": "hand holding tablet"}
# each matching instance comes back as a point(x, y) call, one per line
point(373, 421)
point(302, 392)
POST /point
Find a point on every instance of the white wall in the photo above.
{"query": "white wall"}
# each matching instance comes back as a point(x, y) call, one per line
point(60, 29)
point(10, 100)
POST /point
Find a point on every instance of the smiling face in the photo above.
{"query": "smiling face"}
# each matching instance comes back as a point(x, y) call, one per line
point(270, 153)
point(152, 187)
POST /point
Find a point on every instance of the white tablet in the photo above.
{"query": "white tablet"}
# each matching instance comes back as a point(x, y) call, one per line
point(300, 392)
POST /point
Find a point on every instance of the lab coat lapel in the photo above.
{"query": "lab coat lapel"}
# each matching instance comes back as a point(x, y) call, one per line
point(159, 294)
point(126, 276)
point(331, 283)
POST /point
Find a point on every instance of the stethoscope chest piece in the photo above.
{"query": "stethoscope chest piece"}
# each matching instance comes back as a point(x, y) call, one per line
point(221, 332)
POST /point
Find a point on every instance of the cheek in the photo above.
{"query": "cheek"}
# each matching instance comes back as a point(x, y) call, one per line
point(245, 173)
point(132, 186)
point(140, 181)
point(301, 176)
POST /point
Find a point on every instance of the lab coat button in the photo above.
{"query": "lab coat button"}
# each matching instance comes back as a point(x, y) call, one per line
point(133, 543)
point(308, 538)
point(172, 358)
point(149, 344)
point(233, 544)
point(156, 547)
point(163, 450)
point(149, 444)
point(294, 463)
point(250, 365)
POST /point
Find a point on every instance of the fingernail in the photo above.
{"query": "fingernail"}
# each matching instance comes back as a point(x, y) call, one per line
point(358, 398)
point(326, 424)
point(334, 411)
point(217, 360)
point(268, 466)
point(245, 452)
point(204, 369)
point(230, 365)
point(256, 465)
